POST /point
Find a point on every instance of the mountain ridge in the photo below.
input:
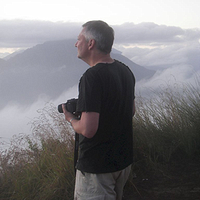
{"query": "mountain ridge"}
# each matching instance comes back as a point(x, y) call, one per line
point(49, 68)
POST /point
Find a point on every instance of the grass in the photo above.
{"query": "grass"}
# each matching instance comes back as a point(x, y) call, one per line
point(167, 127)
point(40, 166)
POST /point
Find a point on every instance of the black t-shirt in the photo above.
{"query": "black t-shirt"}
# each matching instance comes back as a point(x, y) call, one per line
point(107, 89)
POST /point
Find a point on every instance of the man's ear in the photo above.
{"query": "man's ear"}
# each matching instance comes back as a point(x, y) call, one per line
point(91, 44)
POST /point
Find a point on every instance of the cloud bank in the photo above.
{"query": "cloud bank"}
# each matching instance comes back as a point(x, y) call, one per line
point(172, 51)
point(25, 33)
point(19, 33)
point(148, 44)
point(16, 119)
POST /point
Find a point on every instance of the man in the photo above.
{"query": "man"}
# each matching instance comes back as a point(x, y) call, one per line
point(106, 103)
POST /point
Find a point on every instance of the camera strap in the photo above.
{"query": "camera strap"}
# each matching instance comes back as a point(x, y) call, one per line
point(76, 150)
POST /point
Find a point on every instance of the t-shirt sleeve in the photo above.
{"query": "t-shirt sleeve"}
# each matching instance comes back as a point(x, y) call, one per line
point(89, 99)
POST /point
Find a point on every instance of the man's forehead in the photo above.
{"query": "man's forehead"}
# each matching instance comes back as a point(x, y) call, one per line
point(82, 32)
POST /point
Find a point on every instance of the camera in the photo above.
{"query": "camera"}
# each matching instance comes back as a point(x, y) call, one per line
point(70, 106)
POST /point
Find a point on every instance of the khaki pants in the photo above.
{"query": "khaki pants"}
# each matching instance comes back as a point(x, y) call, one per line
point(108, 186)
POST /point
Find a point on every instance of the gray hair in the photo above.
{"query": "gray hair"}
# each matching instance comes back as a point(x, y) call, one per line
point(102, 33)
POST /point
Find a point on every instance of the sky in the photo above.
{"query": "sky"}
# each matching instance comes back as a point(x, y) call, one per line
point(183, 13)
point(163, 35)
point(178, 13)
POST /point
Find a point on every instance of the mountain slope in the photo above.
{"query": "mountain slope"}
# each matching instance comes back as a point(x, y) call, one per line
point(2, 63)
point(49, 68)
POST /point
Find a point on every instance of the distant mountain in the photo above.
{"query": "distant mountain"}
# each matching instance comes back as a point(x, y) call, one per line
point(49, 68)
point(13, 54)
point(2, 62)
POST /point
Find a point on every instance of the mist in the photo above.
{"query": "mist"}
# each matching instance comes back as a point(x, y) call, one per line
point(17, 119)
point(172, 51)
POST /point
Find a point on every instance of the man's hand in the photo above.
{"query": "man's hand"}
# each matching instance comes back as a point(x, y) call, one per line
point(68, 115)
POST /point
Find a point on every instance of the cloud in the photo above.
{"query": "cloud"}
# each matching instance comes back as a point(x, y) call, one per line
point(157, 47)
point(130, 33)
point(176, 76)
point(25, 33)
point(172, 51)
point(16, 119)
point(148, 44)
point(151, 33)
point(163, 57)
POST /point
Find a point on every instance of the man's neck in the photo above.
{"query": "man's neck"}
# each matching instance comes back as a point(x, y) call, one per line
point(100, 58)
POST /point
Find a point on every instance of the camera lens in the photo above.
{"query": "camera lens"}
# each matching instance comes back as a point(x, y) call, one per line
point(60, 110)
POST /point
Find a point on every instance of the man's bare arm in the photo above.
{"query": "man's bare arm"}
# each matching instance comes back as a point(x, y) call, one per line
point(87, 125)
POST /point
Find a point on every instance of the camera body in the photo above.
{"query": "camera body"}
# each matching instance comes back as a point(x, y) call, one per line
point(70, 106)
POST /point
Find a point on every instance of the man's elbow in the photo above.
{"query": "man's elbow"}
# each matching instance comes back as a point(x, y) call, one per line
point(89, 133)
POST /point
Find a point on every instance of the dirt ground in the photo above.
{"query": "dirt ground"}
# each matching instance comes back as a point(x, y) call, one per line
point(179, 181)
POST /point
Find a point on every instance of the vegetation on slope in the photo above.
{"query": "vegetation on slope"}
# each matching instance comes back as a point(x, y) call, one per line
point(40, 166)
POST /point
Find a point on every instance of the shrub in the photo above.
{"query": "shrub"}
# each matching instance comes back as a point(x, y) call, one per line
point(167, 126)
point(40, 166)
